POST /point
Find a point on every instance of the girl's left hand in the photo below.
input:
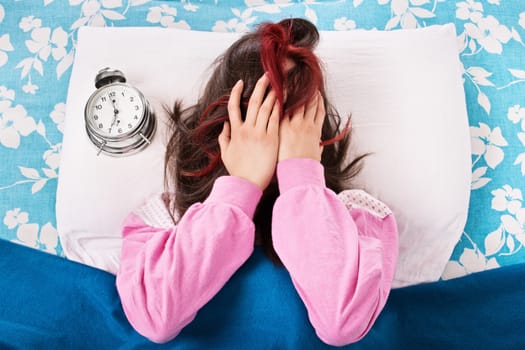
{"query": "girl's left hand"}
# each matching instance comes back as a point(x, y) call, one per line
point(300, 134)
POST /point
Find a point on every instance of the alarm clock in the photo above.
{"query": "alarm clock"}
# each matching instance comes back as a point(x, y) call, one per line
point(119, 119)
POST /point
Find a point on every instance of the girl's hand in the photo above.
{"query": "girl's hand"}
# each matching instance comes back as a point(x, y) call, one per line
point(249, 149)
point(300, 134)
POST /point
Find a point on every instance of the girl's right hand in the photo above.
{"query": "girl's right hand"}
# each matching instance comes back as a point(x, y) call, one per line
point(249, 149)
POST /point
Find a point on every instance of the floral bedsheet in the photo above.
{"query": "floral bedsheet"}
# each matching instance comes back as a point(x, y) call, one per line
point(37, 48)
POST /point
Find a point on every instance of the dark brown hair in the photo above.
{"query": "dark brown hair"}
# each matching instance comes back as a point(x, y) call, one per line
point(192, 161)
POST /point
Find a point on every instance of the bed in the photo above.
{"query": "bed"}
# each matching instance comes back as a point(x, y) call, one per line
point(51, 302)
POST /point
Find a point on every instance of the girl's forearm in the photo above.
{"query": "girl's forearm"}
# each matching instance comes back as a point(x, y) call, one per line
point(341, 262)
point(168, 273)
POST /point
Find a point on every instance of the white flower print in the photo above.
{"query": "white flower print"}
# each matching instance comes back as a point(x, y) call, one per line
point(111, 4)
point(270, 7)
point(165, 15)
point(344, 23)
point(475, 261)
point(489, 33)
point(94, 13)
point(486, 143)
point(15, 217)
point(515, 224)
point(470, 261)
point(478, 179)
point(406, 13)
point(233, 25)
point(156, 14)
point(58, 115)
point(27, 235)
point(2, 13)
point(32, 175)
point(49, 237)
point(13, 123)
point(520, 159)
point(30, 88)
point(469, 10)
point(516, 114)
point(141, 2)
point(238, 25)
point(191, 7)
point(44, 43)
point(522, 20)
point(479, 76)
point(29, 23)
point(494, 2)
point(52, 159)
point(4, 106)
point(5, 45)
point(507, 199)
point(7, 94)
point(91, 8)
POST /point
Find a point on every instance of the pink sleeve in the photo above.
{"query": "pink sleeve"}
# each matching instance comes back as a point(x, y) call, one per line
point(167, 273)
point(341, 260)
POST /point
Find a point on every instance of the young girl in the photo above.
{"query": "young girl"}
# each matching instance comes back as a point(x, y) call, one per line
point(258, 161)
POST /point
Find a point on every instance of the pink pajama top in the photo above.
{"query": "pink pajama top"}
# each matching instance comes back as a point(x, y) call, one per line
point(339, 249)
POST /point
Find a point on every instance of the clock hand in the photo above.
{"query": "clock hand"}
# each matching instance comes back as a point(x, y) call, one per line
point(114, 103)
point(115, 113)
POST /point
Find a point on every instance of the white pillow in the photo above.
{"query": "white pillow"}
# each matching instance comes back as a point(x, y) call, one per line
point(403, 89)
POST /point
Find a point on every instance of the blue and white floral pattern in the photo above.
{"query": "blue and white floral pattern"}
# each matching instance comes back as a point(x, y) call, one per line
point(37, 47)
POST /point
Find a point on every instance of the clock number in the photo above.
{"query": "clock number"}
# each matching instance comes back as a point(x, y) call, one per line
point(95, 117)
point(136, 117)
point(136, 107)
point(98, 106)
point(122, 93)
point(119, 130)
point(103, 99)
point(131, 99)
point(130, 126)
point(112, 94)
point(100, 126)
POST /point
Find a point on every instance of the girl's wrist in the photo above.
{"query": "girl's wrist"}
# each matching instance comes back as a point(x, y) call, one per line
point(293, 172)
point(237, 192)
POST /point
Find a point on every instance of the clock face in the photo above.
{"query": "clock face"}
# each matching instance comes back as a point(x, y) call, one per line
point(115, 110)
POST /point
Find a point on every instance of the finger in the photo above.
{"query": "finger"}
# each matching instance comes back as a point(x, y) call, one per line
point(320, 115)
point(224, 137)
point(311, 108)
point(265, 111)
point(256, 99)
point(273, 123)
point(234, 109)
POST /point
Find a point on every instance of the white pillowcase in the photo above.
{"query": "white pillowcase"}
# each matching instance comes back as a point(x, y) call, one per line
point(403, 89)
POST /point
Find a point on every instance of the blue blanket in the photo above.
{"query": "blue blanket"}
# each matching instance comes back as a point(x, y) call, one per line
point(51, 303)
